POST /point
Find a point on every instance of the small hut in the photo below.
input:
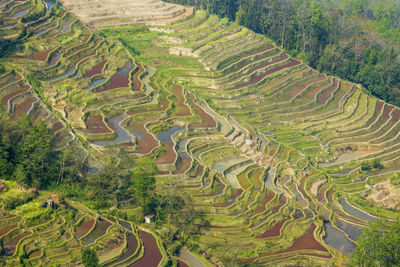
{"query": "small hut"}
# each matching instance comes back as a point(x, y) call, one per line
point(51, 204)
point(149, 218)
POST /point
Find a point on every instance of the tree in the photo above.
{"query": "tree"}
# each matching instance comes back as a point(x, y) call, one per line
point(376, 164)
point(142, 179)
point(89, 258)
point(379, 245)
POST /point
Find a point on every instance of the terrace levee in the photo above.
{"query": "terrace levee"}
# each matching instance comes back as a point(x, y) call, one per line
point(269, 148)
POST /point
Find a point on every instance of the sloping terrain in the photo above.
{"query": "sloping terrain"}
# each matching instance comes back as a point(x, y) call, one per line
point(278, 155)
point(125, 12)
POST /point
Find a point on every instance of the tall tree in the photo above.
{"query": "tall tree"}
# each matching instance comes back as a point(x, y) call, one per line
point(379, 245)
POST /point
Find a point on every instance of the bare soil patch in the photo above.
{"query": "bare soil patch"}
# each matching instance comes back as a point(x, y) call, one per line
point(57, 126)
point(25, 106)
point(41, 56)
point(95, 124)
point(386, 195)
point(387, 111)
point(8, 97)
point(6, 229)
point(11, 245)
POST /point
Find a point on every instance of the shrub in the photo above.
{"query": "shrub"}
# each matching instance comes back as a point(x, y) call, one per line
point(89, 258)
point(365, 166)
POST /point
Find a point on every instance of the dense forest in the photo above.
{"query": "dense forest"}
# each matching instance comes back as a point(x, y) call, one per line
point(355, 40)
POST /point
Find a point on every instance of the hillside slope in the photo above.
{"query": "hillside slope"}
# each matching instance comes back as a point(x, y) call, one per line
point(280, 157)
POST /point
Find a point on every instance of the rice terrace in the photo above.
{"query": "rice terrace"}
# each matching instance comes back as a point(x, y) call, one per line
point(147, 133)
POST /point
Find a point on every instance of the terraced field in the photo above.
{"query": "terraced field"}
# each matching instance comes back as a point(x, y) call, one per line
point(116, 13)
point(268, 147)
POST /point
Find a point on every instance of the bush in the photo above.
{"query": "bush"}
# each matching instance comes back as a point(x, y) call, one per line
point(365, 166)
point(89, 258)
point(376, 164)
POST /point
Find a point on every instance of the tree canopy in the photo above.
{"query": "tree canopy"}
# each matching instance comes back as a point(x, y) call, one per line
point(89, 258)
point(379, 245)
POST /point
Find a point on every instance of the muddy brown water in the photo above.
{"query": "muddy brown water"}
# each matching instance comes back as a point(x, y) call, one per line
point(96, 69)
point(199, 170)
point(131, 247)
point(396, 115)
point(274, 231)
point(183, 165)
point(306, 242)
point(235, 194)
point(165, 137)
point(120, 79)
point(321, 193)
point(152, 255)
point(84, 228)
point(117, 82)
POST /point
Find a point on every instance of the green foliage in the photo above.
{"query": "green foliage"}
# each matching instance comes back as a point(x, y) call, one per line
point(27, 155)
point(89, 258)
point(368, 166)
point(2, 69)
point(130, 49)
point(36, 13)
point(142, 179)
point(8, 47)
point(379, 245)
point(12, 201)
